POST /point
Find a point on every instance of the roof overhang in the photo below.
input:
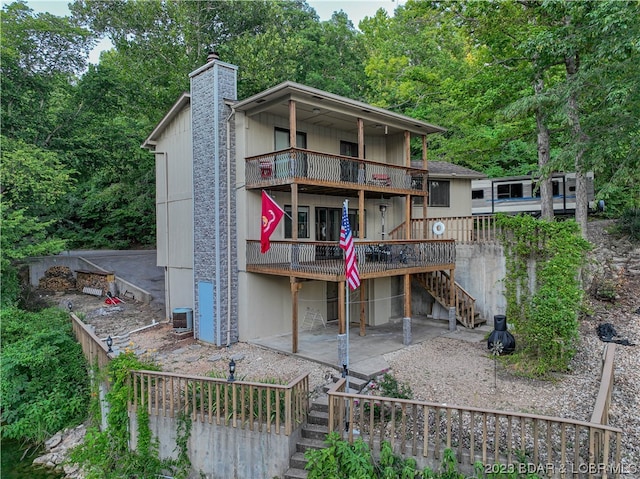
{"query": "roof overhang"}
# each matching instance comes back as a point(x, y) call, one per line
point(325, 109)
point(151, 141)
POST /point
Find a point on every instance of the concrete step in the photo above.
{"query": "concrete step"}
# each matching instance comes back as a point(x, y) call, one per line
point(356, 383)
point(315, 431)
point(298, 461)
point(293, 473)
point(305, 444)
point(320, 404)
point(318, 417)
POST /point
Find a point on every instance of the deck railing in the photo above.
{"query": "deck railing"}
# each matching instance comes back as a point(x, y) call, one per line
point(462, 229)
point(312, 167)
point(94, 349)
point(557, 447)
point(326, 259)
point(277, 408)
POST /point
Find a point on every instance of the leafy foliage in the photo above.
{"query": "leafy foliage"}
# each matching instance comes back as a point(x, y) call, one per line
point(545, 313)
point(44, 377)
point(106, 454)
point(343, 460)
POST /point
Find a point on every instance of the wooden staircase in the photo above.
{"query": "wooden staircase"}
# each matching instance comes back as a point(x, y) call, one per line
point(438, 285)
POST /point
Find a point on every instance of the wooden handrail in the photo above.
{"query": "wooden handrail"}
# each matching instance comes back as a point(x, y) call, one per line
point(93, 348)
point(277, 408)
point(422, 428)
point(462, 229)
point(603, 400)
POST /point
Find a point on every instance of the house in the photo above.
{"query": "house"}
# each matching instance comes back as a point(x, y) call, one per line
point(310, 150)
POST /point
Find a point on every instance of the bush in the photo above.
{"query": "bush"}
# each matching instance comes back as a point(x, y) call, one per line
point(629, 223)
point(44, 383)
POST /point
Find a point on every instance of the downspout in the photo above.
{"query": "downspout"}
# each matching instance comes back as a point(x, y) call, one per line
point(229, 190)
point(167, 298)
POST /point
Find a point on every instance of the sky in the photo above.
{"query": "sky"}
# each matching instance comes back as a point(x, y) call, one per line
point(356, 10)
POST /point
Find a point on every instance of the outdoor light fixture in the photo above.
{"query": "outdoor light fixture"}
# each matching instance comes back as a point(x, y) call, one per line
point(109, 344)
point(232, 370)
point(383, 208)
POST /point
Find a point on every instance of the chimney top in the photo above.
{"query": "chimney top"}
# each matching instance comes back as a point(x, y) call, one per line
point(212, 56)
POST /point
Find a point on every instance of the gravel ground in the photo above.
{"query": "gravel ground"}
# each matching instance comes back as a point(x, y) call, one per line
point(452, 371)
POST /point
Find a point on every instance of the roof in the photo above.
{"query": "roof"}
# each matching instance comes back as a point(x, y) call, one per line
point(315, 106)
point(443, 169)
point(330, 110)
point(177, 107)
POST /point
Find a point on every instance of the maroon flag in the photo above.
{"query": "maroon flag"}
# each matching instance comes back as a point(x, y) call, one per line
point(271, 216)
point(346, 243)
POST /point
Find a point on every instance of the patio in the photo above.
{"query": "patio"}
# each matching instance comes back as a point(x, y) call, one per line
point(366, 353)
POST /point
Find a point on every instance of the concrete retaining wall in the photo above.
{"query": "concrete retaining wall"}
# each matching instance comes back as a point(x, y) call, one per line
point(224, 452)
point(480, 270)
point(38, 267)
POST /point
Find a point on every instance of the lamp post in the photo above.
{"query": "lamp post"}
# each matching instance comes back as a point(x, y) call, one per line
point(232, 371)
point(383, 209)
point(109, 344)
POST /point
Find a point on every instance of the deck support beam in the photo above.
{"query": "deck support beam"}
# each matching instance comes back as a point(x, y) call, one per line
point(295, 288)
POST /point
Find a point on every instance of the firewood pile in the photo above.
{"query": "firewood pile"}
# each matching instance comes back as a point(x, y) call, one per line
point(93, 280)
point(57, 278)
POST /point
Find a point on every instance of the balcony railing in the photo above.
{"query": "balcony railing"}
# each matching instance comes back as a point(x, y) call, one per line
point(324, 259)
point(463, 229)
point(312, 167)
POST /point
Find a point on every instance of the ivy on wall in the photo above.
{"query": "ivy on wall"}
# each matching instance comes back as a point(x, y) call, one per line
point(106, 454)
point(543, 290)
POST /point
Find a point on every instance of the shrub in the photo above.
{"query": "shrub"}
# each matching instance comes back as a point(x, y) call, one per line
point(44, 383)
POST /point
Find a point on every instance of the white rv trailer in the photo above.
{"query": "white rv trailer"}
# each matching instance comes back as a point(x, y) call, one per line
point(521, 194)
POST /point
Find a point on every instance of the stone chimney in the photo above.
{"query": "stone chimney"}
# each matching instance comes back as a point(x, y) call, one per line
point(215, 267)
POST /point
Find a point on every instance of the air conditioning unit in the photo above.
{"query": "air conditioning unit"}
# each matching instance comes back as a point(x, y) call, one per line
point(183, 319)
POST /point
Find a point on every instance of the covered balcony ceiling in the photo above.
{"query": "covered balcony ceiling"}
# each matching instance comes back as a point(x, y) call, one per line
point(335, 191)
point(327, 110)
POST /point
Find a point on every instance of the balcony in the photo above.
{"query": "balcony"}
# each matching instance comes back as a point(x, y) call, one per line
point(331, 174)
point(324, 261)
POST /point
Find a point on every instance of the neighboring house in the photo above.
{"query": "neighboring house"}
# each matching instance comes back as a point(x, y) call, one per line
point(310, 150)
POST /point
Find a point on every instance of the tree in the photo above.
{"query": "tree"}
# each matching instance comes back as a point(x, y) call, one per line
point(32, 180)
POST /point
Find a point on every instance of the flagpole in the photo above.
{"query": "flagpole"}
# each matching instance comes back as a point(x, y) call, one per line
point(346, 368)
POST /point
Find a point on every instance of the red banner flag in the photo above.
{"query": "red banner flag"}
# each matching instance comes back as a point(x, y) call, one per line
point(346, 243)
point(271, 216)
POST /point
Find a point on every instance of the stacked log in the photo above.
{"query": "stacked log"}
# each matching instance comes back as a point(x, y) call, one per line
point(57, 278)
point(92, 282)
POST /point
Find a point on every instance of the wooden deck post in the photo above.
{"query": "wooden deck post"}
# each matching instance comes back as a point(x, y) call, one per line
point(295, 287)
point(407, 295)
point(452, 290)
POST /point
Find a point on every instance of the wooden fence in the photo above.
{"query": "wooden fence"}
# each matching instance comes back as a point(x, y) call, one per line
point(277, 408)
point(551, 446)
point(462, 229)
point(94, 349)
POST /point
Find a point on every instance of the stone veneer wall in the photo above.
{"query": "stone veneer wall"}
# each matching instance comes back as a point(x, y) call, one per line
point(214, 253)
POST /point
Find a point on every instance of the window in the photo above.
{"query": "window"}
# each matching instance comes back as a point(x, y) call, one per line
point(477, 194)
point(350, 171)
point(439, 193)
point(329, 222)
point(555, 187)
point(303, 222)
point(285, 164)
point(510, 190)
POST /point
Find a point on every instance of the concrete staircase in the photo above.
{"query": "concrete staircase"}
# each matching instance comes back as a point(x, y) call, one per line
point(316, 428)
point(313, 436)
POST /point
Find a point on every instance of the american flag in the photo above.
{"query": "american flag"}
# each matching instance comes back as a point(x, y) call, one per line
point(346, 243)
